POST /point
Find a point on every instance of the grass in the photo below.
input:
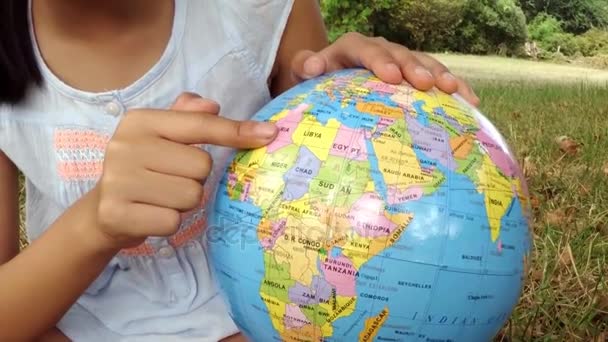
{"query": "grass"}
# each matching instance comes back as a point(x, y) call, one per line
point(566, 293)
point(492, 68)
point(533, 104)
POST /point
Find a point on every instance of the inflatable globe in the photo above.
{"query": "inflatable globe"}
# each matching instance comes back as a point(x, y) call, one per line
point(379, 213)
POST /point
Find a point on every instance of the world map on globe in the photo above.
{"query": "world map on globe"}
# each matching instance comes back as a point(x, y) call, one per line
point(379, 213)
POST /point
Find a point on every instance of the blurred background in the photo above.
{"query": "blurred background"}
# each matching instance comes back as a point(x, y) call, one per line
point(541, 70)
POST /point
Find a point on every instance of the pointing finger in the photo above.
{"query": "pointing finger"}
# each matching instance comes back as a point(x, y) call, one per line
point(202, 128)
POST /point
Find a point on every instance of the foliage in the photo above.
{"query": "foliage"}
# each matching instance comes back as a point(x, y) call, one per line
point(598, 61)
point(563, 28)
point(421, 24)
point(549, 33)
point(566, 294)
point(577, 16)
point(347, 16)
point(593, 42)
point(543, 27)
point(472, 26)
point(488, 25)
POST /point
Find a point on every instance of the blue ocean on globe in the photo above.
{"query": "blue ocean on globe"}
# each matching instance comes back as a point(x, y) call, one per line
point(379, 213)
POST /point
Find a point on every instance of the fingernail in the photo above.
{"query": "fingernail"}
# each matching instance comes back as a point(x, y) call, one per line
point(393, 68)
point(265, 130)
point(312, 67)
point(448, 76)
point(203, 100)
point(423, 72)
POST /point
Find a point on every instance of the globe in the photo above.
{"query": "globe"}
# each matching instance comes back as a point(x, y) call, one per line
point(379, 213)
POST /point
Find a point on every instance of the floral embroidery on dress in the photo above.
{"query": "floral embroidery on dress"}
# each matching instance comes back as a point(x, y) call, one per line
point(80, 153)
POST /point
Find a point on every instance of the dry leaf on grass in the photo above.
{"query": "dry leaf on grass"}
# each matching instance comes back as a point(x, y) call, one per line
point(602, 303)
point(605, 169)
point(530, 168)
point(565, 258)
point(568, 145)
point(560, 216)
point(537, 275)
point(534, 202)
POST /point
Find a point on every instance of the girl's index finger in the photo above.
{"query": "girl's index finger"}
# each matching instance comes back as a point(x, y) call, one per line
point(195, 128)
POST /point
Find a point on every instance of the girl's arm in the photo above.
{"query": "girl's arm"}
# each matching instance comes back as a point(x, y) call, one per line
point(144, 158)
point(40, 284)
point(305, 30)
point(9, 210)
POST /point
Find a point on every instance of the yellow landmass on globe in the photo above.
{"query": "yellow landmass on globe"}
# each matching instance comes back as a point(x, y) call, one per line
point(380, 109)
point(325, 86)
point(276, 310)
point(523, 198)
point(404, 96)
point(304, 207)
point(361, 249)
point(264, 229)
point(245, 166)
point(280, 115)
point(299, 246)
point(266, 188)
point(373, 325)
point(338, 227)
point(316, 137)
point(456, 110)
point(254, 159)
point(498, 194)
point(404, 173)
point(343, 307)
point(462, 145)
point(354, 91)
point(451, 107)
point(307, 333)
point(370, 187)
point(246, 172)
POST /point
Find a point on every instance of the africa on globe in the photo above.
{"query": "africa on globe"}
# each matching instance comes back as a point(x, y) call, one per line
point(379, 213)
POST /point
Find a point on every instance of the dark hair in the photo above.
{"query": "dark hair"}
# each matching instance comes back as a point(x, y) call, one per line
point(18, 67)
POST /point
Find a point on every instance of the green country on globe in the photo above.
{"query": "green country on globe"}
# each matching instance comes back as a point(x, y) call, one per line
point(379, 213)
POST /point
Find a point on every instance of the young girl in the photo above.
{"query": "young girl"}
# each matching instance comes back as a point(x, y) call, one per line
point(105, 108)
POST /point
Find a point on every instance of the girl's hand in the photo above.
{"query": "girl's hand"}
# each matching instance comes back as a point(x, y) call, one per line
point(391, 62)
point(152, 171)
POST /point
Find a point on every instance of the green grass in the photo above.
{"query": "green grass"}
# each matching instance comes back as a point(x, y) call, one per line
point(492, 67)
point(566, 294)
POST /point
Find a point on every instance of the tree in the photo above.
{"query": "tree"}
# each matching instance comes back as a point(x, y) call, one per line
point(488, 25)
point(577, 16)
point(470, 26)
point(549, 33)
point(421, 24)
point(347, 16)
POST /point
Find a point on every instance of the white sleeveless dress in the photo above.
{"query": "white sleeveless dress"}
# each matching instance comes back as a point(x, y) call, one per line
point(162, 290)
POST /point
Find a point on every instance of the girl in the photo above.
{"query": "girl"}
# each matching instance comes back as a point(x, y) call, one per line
point(105, 108)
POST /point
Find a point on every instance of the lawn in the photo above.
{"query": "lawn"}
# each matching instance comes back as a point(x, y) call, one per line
point(566, 297)
point(533, 104)
point(492, 68)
